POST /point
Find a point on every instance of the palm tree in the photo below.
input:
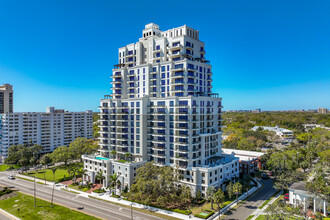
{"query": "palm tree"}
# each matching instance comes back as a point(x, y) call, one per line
point(81, 172)
point(237, 188)
point(219, 198)
point(113, 181)
point(99, 176)
point(113, 153)
point(210, 194)
point(53, 169)
point(72, 171)
point(229, 189)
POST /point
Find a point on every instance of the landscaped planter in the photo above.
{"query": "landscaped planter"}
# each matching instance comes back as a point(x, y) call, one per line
point(97, 194)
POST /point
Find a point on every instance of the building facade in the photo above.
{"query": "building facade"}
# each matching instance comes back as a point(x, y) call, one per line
point(299, 196)
point(249, 161)
point(6, 99)
point(322, 111)
point(162, 109)
point(49, 129)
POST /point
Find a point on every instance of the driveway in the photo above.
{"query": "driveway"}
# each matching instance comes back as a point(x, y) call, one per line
point(254, 202)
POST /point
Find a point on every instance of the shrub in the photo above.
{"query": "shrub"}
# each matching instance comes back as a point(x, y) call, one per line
point(5, 191)
point(99, 191)
point(185, 212)
point(64, 179)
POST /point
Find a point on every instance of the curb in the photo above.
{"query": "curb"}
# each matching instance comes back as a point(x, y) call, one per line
point(8, 214)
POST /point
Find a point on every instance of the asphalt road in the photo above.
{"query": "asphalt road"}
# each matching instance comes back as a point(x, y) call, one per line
point(253, 203)
point(93, 207)
point(4, 217)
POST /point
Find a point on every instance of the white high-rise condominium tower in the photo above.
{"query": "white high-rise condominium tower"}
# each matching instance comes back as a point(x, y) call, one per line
point(50, 129)
point(162, 109)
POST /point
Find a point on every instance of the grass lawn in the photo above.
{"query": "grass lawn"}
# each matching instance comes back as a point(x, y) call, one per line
point(4, 167)
point(42, 211)
point(261, 217)
point(250, 217)
point(137, 209)
point(207, 205)
point(60, 173)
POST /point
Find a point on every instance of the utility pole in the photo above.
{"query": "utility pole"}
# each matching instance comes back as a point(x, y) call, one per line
point(132, 210)
point(34, 184)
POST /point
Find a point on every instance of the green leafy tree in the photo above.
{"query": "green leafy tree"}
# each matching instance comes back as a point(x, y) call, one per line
point(81, 146)
point(61, 154)
point(45, 159)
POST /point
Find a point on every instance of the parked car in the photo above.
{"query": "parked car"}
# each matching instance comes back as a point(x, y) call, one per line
point(270, 173)
point(11, 177)
point(286, 196)
point(264, 176)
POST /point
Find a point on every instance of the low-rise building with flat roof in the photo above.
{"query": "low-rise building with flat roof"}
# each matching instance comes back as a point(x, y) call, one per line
point(249, 161)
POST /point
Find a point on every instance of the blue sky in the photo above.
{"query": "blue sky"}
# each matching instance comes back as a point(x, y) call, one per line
point(273, 55)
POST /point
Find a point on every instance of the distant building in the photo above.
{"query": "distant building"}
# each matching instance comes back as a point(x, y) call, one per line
point(6, 99)
point(282, 132)
point(307, 127)
point(322, 111)
point(51, 129)
point(249, 161)
point(258, 110)
point(300, 196)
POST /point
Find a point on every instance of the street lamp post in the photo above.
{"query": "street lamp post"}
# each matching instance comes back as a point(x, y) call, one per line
point(34, 184)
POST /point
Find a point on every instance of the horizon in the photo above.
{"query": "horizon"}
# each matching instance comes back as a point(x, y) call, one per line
point(263, 55)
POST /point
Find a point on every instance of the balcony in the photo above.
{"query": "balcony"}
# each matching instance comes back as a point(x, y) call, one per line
point(131, 79)
point(179, 68)
point(116, 75)
point(177, 82)
point(176, 46)
point(117, 81)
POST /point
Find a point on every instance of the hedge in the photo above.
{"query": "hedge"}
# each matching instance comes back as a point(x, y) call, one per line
point(185, 212)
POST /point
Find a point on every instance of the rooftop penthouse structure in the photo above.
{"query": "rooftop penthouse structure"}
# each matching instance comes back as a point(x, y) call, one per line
point(162, 109)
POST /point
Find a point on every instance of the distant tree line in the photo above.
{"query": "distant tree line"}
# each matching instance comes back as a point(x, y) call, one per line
point(32, 154)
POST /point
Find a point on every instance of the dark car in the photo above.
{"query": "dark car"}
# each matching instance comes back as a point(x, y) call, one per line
point(264, 176)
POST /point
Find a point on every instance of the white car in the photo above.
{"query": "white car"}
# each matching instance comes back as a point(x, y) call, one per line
point(11, 177)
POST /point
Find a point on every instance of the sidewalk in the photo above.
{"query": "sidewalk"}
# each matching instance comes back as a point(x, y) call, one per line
point(32, 179)
point(261, 211)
